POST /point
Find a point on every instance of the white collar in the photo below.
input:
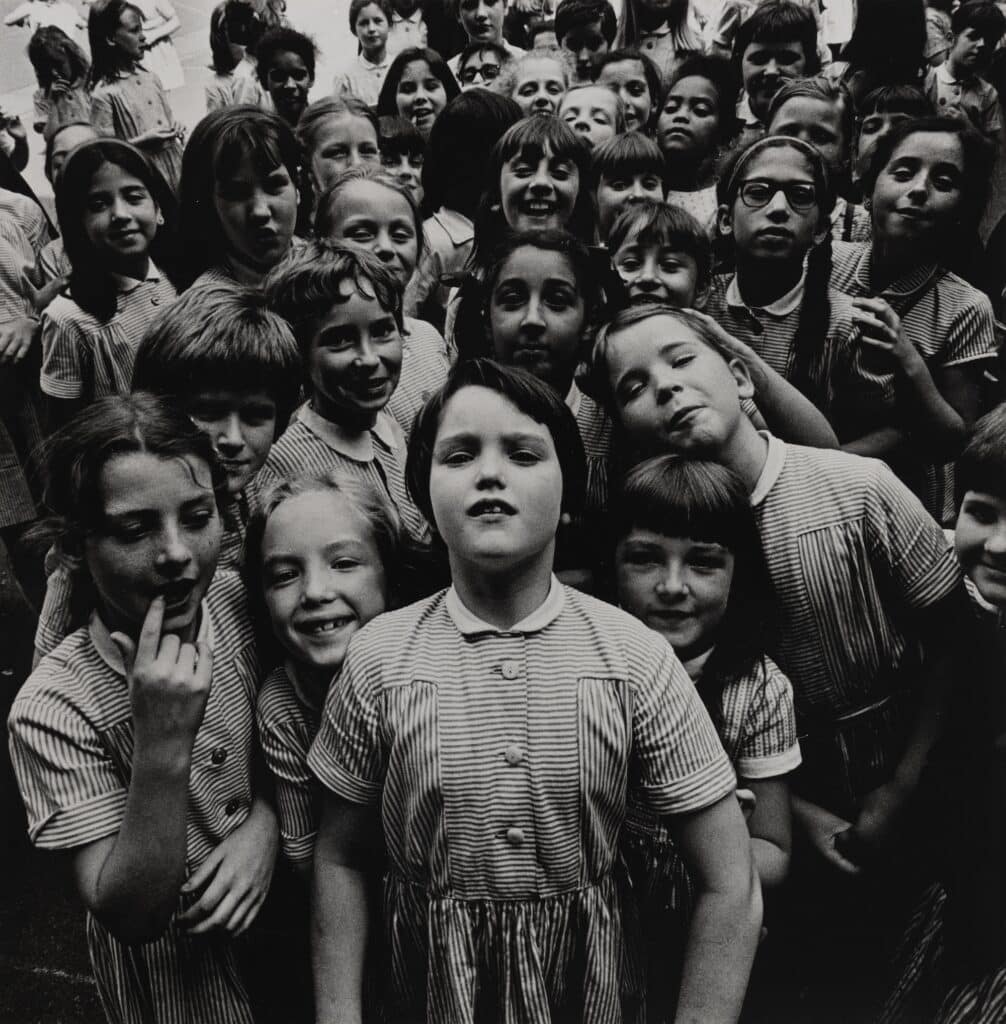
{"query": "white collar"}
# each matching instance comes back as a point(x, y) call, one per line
point(458, 228)
point(774, 462)
point(944, 76)
point(368, 65)
point(112, 657)
point(125, 285)
point(574, 398)
point(782, 306)
point(694, 666)
point(413, 19)
point(469, 624)
point(359, 447)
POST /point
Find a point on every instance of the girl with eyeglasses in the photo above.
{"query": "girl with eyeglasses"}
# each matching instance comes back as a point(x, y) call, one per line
point(480, 64)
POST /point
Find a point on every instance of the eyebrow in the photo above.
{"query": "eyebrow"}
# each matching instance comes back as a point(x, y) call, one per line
point(468, 437)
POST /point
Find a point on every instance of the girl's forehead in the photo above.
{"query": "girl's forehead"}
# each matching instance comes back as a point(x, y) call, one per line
point(142, 480)
point(480, 411)
point(781, 160)
point(622, 69)
point(321, 516)
point(695, 85)
point(364, 196)
point(533, 263)
point(416, 69)
point(539, 68)
point(590, 96)
point(931, 148)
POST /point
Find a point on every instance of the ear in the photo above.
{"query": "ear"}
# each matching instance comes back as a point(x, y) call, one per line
point(822, 232)
point(741, 374)
point(701, 296)
point(725, 221)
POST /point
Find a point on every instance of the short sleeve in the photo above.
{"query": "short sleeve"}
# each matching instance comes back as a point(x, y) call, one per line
point(972, 334)
point(679, 762)
point(55, 619)
point(767, 745)
point(63, 357)
point(347, 755)
point(71, 790)
point(102, 117)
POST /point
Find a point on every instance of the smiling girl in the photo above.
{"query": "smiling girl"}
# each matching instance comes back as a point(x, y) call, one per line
point(418, 86)
point(538, 81)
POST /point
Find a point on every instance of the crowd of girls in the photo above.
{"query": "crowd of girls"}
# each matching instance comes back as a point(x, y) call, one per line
point(516, 532)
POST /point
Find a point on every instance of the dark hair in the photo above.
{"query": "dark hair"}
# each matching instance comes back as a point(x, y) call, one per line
point(387, 102)
point(102, 23)
point(664, 224)
point(304, 287)
point(355, 6)
point(531, 396)
point(222, 60)
point(982, 464)
point(896, 99)
point(220, 336)
point(888, 42)
point(779, 21)
point(50, 45)
point(283, 40)
point(982, 16)
point(723, 76)
point(810, 370)
point(75, 456)
point(706, 502)
point(533, 135)
point(573, 14)
point(398, 136)
point(654, 80)
point(626, 153)
point(91, 284)
point(503, 55)
point(818, 88)
point(459, 149)
point(629, 30)
point(217, 146)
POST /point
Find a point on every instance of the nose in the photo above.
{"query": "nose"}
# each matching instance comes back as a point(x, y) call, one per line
point(583, 55)
point(541, 102)
point(672, 583)
point(542, 181)
point(533, 322)
point(383, 248)
point(646, 279)
point(771, 69)
point(259, 207)
point(490, 469)
point(638, 192)
point(665, 384)
point(995, 543)
point(229, 439)
point(175, 553)
point(366, 356)
point(319, 585)
point(778, 206)
point(120, 209)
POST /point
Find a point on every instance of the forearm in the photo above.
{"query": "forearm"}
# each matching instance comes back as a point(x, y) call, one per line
point(771, 862)
point(790, 414)
point(882, 443)
point(340, 918)
point(722, 940)
point(933, 420)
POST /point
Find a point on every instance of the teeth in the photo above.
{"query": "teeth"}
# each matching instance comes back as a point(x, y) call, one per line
point(329, 626)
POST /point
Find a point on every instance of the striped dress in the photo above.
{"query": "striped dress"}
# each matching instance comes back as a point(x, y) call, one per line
point(424, 368)
point(71, 740)
point(853, 558)
point(501, 763)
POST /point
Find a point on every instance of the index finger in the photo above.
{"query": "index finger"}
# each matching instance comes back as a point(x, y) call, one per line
point(204, 665)
point(150, 631)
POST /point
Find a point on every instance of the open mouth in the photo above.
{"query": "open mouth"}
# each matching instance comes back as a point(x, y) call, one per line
point(176, 594)
point(491, 507)
point(539, 207)
point(324, 627)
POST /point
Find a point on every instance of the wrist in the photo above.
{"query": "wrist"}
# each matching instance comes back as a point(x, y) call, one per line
point(169, 756)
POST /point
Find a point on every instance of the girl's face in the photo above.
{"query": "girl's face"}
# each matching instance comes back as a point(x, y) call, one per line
point(482, 20)
point(618, 189)
point(257, 210)
point(538, 190)
point(369, 215)
point(980, 541)
point(919, 192)
point(120, 215)
point(407, 169)
point(537, 315)
point(241, 424)
point(819, 124)
point(678, 586)
point(420, 96)
point(355, 358)
point(289, 81)
point(626, 78)
point(539, 86)
point(341, 142)
point(159, 536)
point(766, 68)
point(591, 111)
point(322, 575)
point(128, 38)
point(495, 484)
point(775, 214)
point(656, 272)
point(63, 143)
point(690, 119)
point(481, 69)
point(372, 29)
point(872, 129)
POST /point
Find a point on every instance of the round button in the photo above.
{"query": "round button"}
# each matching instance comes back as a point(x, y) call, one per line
point(232, 806)
point(514, 755)
point(219, 755)
point(515, 836)
point(154, 300)
point(510, 669)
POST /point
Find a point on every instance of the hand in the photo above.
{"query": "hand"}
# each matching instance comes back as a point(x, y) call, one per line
point(15, 128)
point(877, 824)
point(529, 6)
point(823, 828)
point(169, 681)
point(235, 877)
point(736, 349)
point(882, 330)
point(41, 297)
point(16, 337)
point(59, 87)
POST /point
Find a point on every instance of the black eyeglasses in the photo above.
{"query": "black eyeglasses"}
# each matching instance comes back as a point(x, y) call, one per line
point(487, 73)
point(800, 196)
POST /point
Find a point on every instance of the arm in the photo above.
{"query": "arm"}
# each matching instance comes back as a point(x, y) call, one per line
point(344, 857)
point(771, 830)
point(726, 921)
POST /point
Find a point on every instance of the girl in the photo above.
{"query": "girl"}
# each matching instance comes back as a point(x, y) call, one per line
point(127, 100)
point(688, 563)
point(636, 79)
point(226, 56)
point(149, 706)
point(160, 22)
point(62, 71)
point(527, 672)
point(418, 86)
point(369, 209)
point(625, 170)
point(370, 22)
point(457, 160)
point(538, 81)
point(775, 205)
point(285, 66)
point(664, 30)
point(879, 112)
point(403, 154)
point(696, 121)
point(239, 198)
point(323, 554)
point(593, 112)
point(928, 336)
point(117, 220)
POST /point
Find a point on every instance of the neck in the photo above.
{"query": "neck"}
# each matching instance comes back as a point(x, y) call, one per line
point(244, 273)
point(684, 175)
point(745, 453)
point(136, 267)
point(761, 283)
point(956, 70)
point(313, 682)
point(889, 262)
point(693, 659)
point(359, 422)
point(505, 597)
point(376, 56)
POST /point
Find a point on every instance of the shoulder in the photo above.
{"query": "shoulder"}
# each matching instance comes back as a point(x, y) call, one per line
point(279, 709)
point(846, 256)
point(227, 601)
point(64, 314)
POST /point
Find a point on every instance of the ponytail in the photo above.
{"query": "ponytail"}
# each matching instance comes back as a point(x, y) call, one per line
point(811, 369)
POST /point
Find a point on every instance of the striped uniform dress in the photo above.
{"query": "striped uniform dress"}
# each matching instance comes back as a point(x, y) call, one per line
point(312, 444)
point(29, 216)
point(948, 321)
point(853, 557)
point(71, 739)
point(758, 730)
point(84, 357)
point(287, 726)
point(424, 368)
point(501, 762)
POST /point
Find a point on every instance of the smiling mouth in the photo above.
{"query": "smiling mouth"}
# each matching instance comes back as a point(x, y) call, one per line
point(491, 507)
point(324, 627)
point(539, 207)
